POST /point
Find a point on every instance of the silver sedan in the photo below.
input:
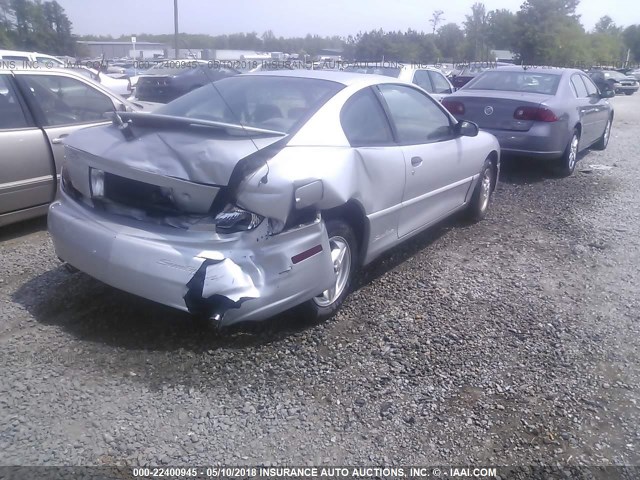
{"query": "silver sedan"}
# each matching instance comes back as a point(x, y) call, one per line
point(545, 113)
point(265, 191)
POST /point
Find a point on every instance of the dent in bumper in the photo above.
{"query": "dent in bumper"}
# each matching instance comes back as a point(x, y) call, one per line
point(247, 276)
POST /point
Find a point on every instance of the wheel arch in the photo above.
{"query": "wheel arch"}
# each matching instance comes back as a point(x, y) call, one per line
point(354, 214)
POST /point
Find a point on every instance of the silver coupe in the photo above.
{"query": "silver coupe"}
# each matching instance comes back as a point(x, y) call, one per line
point(265, 191)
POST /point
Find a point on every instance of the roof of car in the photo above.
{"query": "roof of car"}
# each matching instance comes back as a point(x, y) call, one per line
point(345, 78)
point(552, 70)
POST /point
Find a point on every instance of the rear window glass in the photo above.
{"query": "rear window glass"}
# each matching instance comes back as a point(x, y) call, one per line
point(261, 101)
point(532, 82)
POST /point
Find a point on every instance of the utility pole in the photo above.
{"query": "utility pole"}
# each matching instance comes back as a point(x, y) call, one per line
point(175, 23)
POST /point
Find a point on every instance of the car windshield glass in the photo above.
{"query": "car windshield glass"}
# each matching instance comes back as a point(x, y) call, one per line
point(545, 83)
point(615, 75)
point(268, 102)
point(386, 71)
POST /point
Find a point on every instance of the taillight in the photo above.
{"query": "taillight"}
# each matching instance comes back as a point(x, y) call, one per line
point(455, 107)
point(538, 114)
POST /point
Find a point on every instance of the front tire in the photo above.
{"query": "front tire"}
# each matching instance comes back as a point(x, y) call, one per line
point(570, 156)
point(344, 254)
point(482, 194)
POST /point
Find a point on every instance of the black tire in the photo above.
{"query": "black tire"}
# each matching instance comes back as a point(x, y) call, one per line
point(629, 93)
point(317, 309)
point(567, 163)
point(603, 141)
point(483, 193)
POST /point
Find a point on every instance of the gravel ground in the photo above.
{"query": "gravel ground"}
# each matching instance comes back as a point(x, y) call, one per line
point(511, 342)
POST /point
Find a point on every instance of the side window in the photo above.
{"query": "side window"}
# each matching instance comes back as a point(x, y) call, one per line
point(67, 101)
point(578, 86)
point(421, 78)
point(417, 118)
point(364, 121)
point(591, 87)
point(440, 84)
point(11, 114)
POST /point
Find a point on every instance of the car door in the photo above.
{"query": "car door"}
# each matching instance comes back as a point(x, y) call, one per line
point(437, 174)
point(382, 182)
point(600, 108)
point(26, 167)
point(586, 110)
point(63, 104)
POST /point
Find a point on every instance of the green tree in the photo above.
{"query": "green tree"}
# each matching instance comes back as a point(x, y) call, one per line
point(436, 19)
point(502, 29)
point(631, 37)
point(549, 33)
point(449, 41)
point(475, 28)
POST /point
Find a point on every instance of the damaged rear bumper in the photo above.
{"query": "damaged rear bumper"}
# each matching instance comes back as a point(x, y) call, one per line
point(239, 277)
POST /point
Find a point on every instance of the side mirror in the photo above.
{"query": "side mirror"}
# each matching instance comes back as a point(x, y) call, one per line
point(465, 128)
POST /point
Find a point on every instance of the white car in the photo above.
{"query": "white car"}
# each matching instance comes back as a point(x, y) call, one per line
point(121, 86)
point(22, 58)
point(429, 79)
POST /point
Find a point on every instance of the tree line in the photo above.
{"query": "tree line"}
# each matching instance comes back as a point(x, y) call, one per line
point(541, 32)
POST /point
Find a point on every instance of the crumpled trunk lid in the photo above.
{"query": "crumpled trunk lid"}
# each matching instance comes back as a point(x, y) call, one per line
point(158, 173)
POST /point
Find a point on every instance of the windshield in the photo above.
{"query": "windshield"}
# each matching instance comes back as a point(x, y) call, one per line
point(532, 82)
point(386, 71)
point(615, 75)
point(268, 102)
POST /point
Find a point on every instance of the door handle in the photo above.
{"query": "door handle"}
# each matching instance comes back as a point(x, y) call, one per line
point(58, 140)
point(416, 161)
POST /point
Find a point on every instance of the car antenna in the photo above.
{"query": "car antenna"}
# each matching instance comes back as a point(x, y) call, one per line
point(264, 179)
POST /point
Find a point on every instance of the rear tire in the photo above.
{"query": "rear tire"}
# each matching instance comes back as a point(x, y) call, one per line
point(567, 163)
point(483, 193)
point(344, 253)
point(602, 143)
point(629, 93)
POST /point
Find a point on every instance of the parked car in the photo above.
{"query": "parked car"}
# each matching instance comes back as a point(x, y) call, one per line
point(20, 59)
point(38, 109)
point(260, 192)
point(121, 86)
point(544, 113)
point(169, 80)
point(610, 79)
point(464, 73)
point(430, 79)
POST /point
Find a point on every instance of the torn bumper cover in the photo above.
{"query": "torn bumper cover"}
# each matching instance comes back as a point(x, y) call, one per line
point(231, 278)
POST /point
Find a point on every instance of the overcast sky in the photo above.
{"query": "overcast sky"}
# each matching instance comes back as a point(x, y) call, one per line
point(298, 17)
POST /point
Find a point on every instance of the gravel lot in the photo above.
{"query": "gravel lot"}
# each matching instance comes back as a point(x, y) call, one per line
point(514, 341)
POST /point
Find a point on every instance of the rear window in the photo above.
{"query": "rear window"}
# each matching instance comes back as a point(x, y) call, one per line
point(261, 101)
point(532, 82)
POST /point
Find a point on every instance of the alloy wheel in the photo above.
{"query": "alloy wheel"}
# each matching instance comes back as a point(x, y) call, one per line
point(341, 257)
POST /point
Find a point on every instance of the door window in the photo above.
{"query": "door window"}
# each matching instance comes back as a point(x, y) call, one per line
point(440, 84)
point(67, 101)
point(591, 87)
point(578, 87)
point(11, 114)
point(364, 121)
point(417, 118)
point(421, 78)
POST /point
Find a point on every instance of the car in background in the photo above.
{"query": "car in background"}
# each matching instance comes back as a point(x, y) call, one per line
point(430, 79)
point(171, 79)
point(544, 113)
point(635, 74)
point(265, 191)
point(38, 109)
point(121, 86)
point(616, 81)
point(462, 74)
point(22, 59)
